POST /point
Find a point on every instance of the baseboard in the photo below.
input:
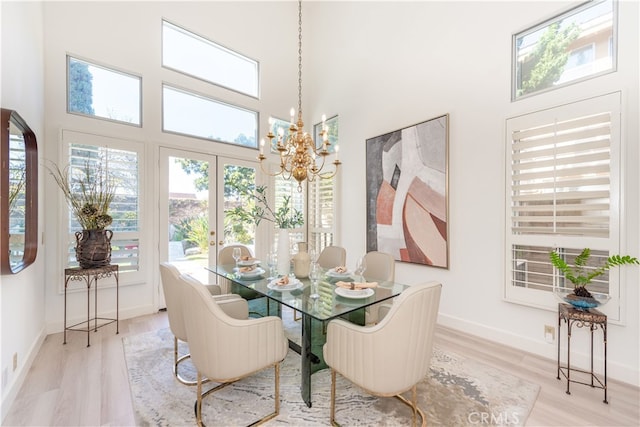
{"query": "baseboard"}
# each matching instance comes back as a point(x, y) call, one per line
point(615, 371)
point(16, 384)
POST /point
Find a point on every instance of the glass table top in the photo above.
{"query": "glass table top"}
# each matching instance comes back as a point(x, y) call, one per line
point(328, 306)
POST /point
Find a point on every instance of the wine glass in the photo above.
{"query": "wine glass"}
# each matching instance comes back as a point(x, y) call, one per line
point(361, 267)
point(314, 275)
point(237, 253)
point(313, 256)
point(272, 261)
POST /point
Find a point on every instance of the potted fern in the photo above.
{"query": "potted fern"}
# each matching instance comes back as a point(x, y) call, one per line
point(581, 276)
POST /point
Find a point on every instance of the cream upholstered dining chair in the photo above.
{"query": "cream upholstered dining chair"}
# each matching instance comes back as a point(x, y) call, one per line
point(380, 267)
point(402, 342)
point(225, 350)
point(173, 289)
point(332, 256)
point(225, 256)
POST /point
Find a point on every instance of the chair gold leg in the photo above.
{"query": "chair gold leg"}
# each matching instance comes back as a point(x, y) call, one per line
point(413, 404)
point(199, 401)
point(176, 363)
point(220, 386)
point(333, 398)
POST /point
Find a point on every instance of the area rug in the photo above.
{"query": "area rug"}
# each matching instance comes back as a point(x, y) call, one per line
point(458, 391)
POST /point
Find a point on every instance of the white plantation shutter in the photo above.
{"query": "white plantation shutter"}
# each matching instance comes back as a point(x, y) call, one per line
point(320, 218)
point(289, 187)
point(123, 160)
point(560, 177)
point(562, 190)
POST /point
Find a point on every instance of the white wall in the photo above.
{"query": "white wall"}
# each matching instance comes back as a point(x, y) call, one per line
point(383, 66)
point(127, 36)
point(22, 89)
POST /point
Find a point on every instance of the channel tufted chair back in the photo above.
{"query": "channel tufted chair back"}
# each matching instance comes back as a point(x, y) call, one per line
point(224, 349)
point(402, 342)
point(332, 256)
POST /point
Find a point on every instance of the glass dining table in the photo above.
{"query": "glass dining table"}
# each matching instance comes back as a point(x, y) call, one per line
point(267, 298)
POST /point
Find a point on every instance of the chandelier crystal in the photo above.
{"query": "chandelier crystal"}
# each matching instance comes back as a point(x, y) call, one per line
point(300, 157)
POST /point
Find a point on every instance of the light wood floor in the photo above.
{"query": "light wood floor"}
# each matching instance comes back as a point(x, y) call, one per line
point(72, 385)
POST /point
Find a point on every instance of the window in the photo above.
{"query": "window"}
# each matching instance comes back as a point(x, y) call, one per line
point(289, 187)
point(97, 91)
point(191, 54)
point(321, 197)
point(562, 191)
point(195, 115)
point(278, 127)
point(547, 56)
point(122, 161)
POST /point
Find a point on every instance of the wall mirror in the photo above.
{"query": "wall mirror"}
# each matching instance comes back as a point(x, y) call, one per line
point(18, 194)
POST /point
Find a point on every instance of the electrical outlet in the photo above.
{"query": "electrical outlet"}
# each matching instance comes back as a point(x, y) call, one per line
point(549, 333)
point(15, 361)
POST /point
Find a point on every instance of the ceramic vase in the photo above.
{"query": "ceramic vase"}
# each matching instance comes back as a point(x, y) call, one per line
point(93, 248)
point(284, 259)
point(301, 261)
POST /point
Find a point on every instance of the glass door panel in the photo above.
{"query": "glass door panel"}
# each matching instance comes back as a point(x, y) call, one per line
point(187, 214)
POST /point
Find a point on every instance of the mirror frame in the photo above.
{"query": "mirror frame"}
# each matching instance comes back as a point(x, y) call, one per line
point(7, 118)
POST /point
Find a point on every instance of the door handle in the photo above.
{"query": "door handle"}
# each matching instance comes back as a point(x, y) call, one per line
point(221, 243)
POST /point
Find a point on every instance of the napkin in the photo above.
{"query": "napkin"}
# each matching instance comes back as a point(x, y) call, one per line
point(340, 269)
point(283, 281)
point(247, 269)
point(357, 285)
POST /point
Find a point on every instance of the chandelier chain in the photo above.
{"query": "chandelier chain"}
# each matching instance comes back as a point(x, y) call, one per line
point(300, 157)
point(300, 59)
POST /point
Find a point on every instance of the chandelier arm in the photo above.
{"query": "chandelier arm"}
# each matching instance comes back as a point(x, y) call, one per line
point(328, 175)
point(270, 173)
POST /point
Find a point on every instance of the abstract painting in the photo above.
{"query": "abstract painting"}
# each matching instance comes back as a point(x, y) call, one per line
point(407, 185)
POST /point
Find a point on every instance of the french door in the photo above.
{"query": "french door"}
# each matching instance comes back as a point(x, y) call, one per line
point(198, 192)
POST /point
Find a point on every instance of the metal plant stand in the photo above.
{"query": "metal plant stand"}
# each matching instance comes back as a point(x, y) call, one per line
point(90, 277)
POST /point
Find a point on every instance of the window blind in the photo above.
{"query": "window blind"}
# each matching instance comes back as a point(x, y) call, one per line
point(561, 177)
point(122, 167)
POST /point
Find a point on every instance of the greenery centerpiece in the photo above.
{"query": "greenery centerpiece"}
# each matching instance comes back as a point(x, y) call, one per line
point(580, 275)
point(284, 217)
point(258, 209)
point(89, 191)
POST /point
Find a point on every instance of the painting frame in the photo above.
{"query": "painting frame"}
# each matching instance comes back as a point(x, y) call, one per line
point(407, 187)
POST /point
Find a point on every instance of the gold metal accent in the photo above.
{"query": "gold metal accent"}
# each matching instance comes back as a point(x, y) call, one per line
point(298, 153)
point(177, 360)
point(413, 403)
point(201, 395)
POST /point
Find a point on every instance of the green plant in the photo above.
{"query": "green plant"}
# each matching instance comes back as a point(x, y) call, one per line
point(579, 275)
point(284, 216)
point(88, 191)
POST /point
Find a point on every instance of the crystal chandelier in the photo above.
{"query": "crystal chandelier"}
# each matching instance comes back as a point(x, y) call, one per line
point(300, 157)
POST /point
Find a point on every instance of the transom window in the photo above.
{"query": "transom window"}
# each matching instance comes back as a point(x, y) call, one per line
point(98, 91)
point(191, 114)
point(576, 45)
point(191, 54)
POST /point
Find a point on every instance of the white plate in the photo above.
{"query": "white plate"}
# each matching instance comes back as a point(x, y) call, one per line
point(293, 284)
point(332, 273)
point(359, 293)
point(253, 273)
point(248, 262)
